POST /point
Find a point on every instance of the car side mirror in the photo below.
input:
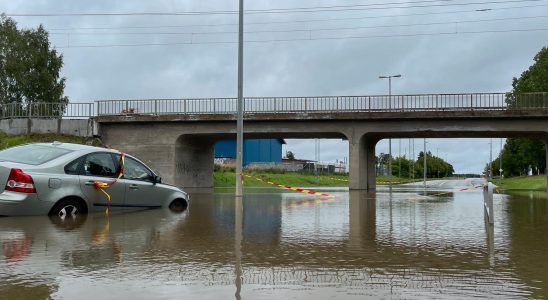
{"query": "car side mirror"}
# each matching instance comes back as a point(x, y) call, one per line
point(157, 179)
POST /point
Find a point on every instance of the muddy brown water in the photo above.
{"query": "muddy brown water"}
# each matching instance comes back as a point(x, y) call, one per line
point(399, 244)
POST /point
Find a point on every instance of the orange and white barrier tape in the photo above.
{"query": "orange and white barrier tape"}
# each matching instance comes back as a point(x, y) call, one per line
point(102, 185)
point(300, 190)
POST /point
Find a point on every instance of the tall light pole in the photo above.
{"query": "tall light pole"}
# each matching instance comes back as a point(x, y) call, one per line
point(389, 77)
point(240, 121)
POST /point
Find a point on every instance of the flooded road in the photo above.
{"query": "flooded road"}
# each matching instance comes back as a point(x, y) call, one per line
point(399, 244)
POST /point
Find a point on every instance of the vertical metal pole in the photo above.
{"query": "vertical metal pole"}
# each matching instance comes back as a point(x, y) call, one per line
point(390, 140)
point(424, 171)
point(240, 121)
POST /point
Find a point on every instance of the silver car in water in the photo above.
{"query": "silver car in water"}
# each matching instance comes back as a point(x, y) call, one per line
point(59, 179)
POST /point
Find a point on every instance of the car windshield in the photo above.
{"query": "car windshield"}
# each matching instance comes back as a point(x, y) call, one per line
point(32, 154)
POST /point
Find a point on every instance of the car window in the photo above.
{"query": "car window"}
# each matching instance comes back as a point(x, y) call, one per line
point(135, 170)
point(32, 154)
point(73, 168)
point(99, 164)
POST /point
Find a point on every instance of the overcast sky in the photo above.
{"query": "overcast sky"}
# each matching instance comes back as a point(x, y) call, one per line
point(430, 62)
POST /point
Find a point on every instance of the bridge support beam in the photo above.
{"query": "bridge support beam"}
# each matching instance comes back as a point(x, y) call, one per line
point(194, 162)
point(362, 163)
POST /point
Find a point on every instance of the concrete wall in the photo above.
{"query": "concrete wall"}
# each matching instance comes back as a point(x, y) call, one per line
point(78, 127)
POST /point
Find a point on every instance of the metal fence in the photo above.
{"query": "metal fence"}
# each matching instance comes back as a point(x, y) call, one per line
point(283, 105)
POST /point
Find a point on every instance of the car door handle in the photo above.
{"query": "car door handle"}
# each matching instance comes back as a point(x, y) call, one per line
point(133, 187)
point(90, 183)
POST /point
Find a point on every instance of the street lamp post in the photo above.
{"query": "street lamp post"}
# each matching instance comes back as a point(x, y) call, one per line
point(240, 121)
point(389, 77)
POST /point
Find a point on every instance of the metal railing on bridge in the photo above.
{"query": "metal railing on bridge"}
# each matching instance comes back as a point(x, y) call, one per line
point(283, 105)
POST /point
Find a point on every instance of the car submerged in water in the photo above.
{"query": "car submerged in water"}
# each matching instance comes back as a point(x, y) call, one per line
point(62, 179)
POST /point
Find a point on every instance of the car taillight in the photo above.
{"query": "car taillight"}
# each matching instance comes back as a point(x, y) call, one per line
point(20, 182)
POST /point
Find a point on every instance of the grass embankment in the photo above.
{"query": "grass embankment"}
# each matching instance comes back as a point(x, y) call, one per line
point(522, 183)
point(7, 141)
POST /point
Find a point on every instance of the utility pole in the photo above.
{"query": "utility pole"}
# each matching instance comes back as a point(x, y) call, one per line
point(389, 77)
point(240, 121)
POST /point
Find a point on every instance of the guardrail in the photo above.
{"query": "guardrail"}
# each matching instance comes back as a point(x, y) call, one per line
point(283, 105)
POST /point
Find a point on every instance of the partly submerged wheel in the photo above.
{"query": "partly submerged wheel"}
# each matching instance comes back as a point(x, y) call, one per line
point(68, 208)
point(68, 214)
point(178, 205)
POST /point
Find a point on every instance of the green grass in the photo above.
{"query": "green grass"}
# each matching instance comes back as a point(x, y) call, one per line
point(7, 141)
point(522, 183)
point(226, 178)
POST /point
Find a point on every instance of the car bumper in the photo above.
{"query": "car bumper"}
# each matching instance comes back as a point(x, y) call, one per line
point(21, 204)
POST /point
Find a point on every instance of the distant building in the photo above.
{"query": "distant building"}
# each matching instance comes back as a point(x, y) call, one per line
point(255, 151)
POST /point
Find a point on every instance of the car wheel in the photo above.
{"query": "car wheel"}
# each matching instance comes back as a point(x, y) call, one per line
point(178, 205)
point(68, 208)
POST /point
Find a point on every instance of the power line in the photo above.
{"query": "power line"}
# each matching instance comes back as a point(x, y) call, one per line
point(307, 39)
point(303, 30)
point(268, 11)
point(295, 21)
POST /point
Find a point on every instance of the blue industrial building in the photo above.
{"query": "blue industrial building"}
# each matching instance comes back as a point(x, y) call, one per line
point(255, 151)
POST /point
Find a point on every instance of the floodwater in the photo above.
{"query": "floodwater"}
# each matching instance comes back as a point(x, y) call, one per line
point(359, 245)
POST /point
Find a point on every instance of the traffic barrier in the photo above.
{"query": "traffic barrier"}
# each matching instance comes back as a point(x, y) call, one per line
point(300, 190)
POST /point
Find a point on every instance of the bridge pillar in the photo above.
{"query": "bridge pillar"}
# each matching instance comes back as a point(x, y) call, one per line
point(194, 162)
point(362, 163)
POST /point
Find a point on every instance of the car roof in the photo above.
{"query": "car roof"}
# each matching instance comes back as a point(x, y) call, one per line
point(75, 147)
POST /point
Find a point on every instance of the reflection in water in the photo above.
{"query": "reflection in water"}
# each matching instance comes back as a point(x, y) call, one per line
point(238, 212)
point(398, 244)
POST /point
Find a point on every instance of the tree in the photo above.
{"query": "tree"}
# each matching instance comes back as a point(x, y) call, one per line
point(29, 69)
point(289, 155)
point(519, 154)
point(435, 166)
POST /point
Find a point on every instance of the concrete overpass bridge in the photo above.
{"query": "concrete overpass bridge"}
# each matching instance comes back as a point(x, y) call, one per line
point(177, 136)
